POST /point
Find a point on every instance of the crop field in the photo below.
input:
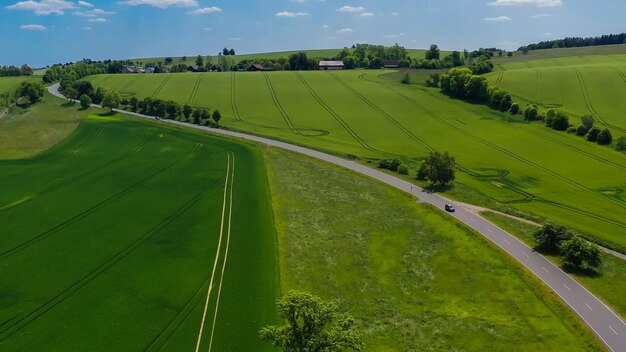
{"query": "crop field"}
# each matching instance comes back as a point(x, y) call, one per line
point(412, 279)
point(9, 84)
point(131, 236)
point(525, 165)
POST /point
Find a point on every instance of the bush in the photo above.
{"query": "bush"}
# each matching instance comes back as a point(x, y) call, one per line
point(85, 101)
point(406, 79)
point(422, 171)
point(592, 136)
point(551, 235)
point(581, 130)
point(572, 130)
point(403, 169)
point(605, 137)
point(621, 143)
point(579, 252)
point(514, 108)
point(587, 121)
point(560, 122)
point(390, 164)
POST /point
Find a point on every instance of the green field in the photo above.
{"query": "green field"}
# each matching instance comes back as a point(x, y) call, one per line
point(109, 240)
point(524, 165)
point(562, 52)
point(9, 84)
point(413, 279)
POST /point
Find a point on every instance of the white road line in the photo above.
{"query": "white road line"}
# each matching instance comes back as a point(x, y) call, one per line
point(527, 256)
point(567, 287)
point(615, 332)
point(490, 230)
point(507, 242)
point(544, 269)
point(219, 290)
point(217, 255)
point(589, 307)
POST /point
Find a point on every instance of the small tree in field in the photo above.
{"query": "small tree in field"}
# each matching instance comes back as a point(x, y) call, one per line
point(312, 325)
point(587, 121)
point(579, 252)
point(592, 135)
point(551, 235)
point(111, 101)
point(440, 168)
point(217, 116)
point(621, 144)
point(85, 101)
point(605, 137)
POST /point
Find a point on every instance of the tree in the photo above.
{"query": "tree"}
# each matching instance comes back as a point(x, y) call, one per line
point(231, 52)
point(168, 60)
point(26, 70)
point(376, 63)
point(580, 252)
point(514, 108)
point(217, 116)
point(621, 144)
point(70, 93)
point(509, 54)
point(312, 325)
point(225, 52)
point(592, 135)
point(605, 137)
point(560, 121)
point(432, 53)
point(587, 121)
point(111, 101)
point(84, 88)
point(187, 110)
point(350, 62)
point(551, 235)
point(134, 104)
point(581, 130)
point(31, 90)
point(476, 88)
point(197, 116)
point(407, 78)
point(199, 61)
point(440, 168)
point(85, 101)
point(98, 95)
point(172, 109)
point(299, 61)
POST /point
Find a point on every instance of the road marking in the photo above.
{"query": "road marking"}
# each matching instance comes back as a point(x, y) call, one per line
point(527, 256)
point(589, 307)
point(544, 269)
point(490, 230)
point(615, 332)
point(567, 287)
point(507, 242)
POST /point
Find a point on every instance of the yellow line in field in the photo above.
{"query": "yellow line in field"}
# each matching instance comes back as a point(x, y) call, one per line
point(217, 255)
point(230, 216)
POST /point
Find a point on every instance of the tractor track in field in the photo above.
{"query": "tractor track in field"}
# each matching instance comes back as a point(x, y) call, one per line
point(27, 319)
point(87, 142)
point(539, 95)
point(195, 88)
point(75, 179)
point(233, 100)
point(516, 156)
point(499, 79)
point(75, 218)
point(621, 75)
point(589, 104)
point(123, 90)
point(501, 67)
point(282, 111)
point(336, 116)
point(384, 114)
point(156, 93)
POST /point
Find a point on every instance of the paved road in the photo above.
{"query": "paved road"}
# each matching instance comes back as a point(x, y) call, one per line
point(607, 325)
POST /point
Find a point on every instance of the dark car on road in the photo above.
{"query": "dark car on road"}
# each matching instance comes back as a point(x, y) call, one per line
point(450, 208)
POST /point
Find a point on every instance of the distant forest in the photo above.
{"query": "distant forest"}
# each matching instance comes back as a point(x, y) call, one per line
point(572, 42)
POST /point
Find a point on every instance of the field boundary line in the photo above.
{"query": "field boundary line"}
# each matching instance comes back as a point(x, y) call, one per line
point(336, 116)
point(163, 83)
point(230, 216)
point(282, 111)
point(195, 88)
point(217, 255)
point(233, 100)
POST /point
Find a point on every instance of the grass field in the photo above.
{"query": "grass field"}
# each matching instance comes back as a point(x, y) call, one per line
point(562, 52)
point(111, 238)
point(9, 84)
point(414, 280)
point(526, 166)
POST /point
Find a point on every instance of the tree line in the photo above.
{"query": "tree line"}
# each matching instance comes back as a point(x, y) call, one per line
point(557, 239)
point(438, 168)
point(24, 70)
point(26, 94)
point(572, 42)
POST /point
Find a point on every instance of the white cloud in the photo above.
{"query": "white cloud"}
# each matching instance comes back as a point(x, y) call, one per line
point(98, 20)
point(43, 7)
point(93, 13)
point(539, 15)
point(325, 26)
point(87, 28)
point(291, 14)
point(398, 35)
point(206, 29)
point(206, 10)
point(351, 9)
point(345, 30)
point(85, 3)
point(367, 14)
point(498, 19)
point(537, 3)
point(33, 27)
point(162, 4)
point(548, 34)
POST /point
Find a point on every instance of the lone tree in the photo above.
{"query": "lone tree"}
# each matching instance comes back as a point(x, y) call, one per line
point(111, 101)
point(438, 168)
point(85, 101)
point(551, 235)
point(199, 60)
point(31, 90)
point(580, 252)
point(312, 325)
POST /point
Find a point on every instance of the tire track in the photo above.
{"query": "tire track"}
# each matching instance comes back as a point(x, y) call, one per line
point(156, 93)
point(75, 218)
point(85, 280)
point(589, 104)
point(516, 156)
point(72, 180)
point(129, 84)
point(383, 113)
point(233, 99)
point(282, 111)
point(499, 79)
point(621, 75)
point(335, 115)
point(195, 88)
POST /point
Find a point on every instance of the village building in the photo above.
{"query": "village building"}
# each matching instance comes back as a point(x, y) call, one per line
point(391, 64)
point(331, 65)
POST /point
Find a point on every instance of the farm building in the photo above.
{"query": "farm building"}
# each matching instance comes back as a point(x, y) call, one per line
point(194, 68)
point(255, 67)
point(391, 63)
point(331, 65)
point(133, 69)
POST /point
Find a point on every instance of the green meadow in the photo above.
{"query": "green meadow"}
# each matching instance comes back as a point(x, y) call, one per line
point(9, 84)
point(525, 166)
point(110, 238)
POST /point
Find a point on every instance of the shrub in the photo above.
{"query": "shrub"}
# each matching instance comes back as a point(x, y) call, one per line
point(560, 122)
point(422, 171)
point(621, 143)
point(403, 169)
point(406, 79)
point(579, 252)
point(581, 130)
point(592, 136)
point(514, 108)
point(390, 164)
point(85, 101)
point(572, 130)
point(605, 137)
point(587, 121)
point(551, 235)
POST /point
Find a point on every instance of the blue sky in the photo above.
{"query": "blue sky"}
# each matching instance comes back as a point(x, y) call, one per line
point(41, 32)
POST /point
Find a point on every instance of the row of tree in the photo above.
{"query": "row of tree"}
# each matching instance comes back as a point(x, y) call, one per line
point(27, 93)
point(554, 238)
point(571, 42)
point(462, 83)
point(6, 71)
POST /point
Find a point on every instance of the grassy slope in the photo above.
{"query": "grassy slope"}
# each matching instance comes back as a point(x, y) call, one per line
point(8, 84)
point(609, 282)
point(562, 52)
point(546, 173)
point(128, 215)
point(412, 279)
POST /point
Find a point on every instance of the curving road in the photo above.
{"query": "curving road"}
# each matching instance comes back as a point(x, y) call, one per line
point(606, 324)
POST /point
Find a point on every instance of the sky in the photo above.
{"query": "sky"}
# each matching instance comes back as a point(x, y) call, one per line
point(44, 32)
